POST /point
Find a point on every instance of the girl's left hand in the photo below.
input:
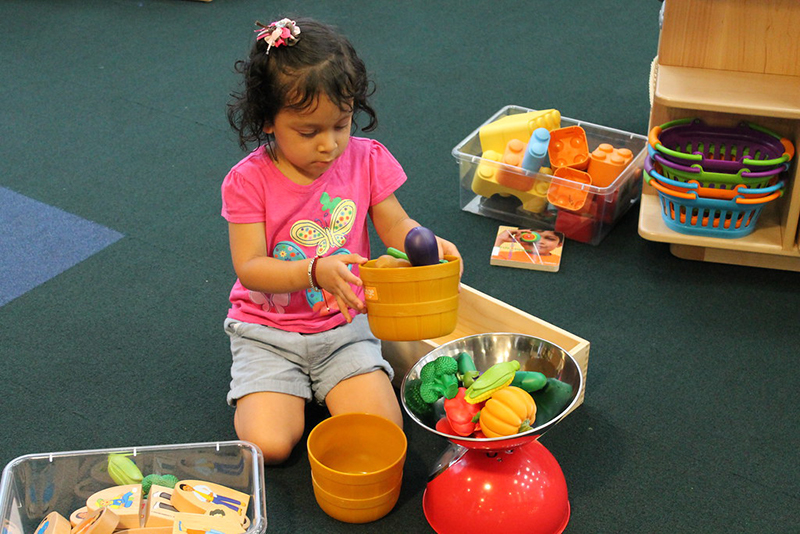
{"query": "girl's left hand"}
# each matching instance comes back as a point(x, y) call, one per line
point(334, 276)
point(446, 248)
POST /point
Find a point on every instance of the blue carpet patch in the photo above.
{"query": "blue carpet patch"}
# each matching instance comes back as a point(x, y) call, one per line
point(38, 242)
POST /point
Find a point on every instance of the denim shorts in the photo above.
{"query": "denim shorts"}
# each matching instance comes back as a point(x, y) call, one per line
point(303, 365)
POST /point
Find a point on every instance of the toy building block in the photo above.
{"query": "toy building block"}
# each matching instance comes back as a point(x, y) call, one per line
point(484, 183)
point(513, 155)
point(566, 196)
point(605, 207)
point(496, 135)
point(124, 501)
point(159, 511)
point(535, 152)
point(192, 523)
point(569, 148)
point(198, 496)
point(100, 521)
point(575, 226)
point(606, 163)
point(54, 523)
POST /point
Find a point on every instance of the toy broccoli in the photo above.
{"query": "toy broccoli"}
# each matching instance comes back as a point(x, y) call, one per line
point(414, 400)
point(439, 379)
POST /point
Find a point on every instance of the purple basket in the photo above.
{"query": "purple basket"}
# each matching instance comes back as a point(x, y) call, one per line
point(721, 149)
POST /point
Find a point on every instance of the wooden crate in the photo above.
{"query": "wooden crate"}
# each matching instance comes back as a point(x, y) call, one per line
point(479, 313)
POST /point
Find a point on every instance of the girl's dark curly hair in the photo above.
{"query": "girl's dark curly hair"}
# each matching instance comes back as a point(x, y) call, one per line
point(322, 61)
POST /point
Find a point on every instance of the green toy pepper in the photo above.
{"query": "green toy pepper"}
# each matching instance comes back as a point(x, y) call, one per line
point(466, 369)
point(551, 400)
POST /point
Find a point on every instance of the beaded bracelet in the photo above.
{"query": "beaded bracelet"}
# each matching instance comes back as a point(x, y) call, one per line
point(312, 273)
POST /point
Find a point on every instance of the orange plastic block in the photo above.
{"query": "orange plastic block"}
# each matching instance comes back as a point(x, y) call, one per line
point(496, 135)
point(566, 196)
point(514, 152)
point(569, 148)
point(606, 163)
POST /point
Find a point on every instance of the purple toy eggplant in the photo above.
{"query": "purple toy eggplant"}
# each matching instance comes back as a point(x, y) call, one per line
point(421, 247)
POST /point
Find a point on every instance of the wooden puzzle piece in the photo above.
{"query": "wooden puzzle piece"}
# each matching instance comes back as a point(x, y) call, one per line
point(54, 523)
point(100, 521)
point(78, 515)
point(147, 530)
point(159, 511)
point(229, 514)
point(124, 501)
point(198, 496)
point(188, 523)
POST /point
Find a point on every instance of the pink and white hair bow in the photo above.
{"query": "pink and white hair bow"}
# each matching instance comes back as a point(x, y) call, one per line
point(282, 32)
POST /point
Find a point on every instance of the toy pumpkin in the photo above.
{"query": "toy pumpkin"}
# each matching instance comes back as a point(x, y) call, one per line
point(511, 410)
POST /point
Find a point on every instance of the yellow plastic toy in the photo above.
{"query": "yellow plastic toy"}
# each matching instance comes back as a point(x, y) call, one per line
point(412, 303)
point(485, 183)
point(496, 135)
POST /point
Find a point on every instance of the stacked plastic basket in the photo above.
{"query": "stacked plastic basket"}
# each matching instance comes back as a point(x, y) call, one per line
point(714, 181)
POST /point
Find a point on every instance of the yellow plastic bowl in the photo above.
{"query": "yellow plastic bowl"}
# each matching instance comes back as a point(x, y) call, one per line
point(357, 466)
point(356, 510)
point(412, 303)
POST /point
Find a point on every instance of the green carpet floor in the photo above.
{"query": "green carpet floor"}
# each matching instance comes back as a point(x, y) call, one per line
point(114, 111)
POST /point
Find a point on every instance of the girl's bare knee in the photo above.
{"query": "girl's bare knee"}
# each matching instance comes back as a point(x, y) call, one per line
point(276, 447)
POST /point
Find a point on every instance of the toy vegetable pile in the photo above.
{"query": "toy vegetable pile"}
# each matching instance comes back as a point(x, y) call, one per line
point(502, 401)
point(155, 504)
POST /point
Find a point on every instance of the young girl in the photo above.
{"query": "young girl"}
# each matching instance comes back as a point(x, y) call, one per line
point(297, 219)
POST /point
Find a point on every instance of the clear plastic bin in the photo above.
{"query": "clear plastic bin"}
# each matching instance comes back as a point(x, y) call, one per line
point(37, 484)
point(589, 223)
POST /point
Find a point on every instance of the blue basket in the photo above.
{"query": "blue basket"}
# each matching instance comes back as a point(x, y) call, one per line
point(689, 214)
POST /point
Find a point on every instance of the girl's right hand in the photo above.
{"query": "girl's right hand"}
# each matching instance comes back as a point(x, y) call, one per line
point(334, 277)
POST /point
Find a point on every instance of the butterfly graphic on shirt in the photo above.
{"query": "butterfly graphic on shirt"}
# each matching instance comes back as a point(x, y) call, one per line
point(268, 301)
point(328, 236)
point(277, 302)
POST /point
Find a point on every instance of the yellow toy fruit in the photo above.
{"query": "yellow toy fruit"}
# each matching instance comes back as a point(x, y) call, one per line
point(511, 410)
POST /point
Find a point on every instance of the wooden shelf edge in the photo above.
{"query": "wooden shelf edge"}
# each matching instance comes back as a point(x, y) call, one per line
point(745, 93)
point(736, 257)
point(764, 241)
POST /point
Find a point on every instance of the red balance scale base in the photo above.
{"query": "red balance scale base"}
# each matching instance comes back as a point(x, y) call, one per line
point(515, 490)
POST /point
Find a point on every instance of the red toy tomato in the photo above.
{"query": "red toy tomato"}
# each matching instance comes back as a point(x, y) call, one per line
point(461, 414)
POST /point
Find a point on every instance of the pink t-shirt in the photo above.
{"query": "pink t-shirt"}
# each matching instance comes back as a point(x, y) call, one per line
point(328, 216)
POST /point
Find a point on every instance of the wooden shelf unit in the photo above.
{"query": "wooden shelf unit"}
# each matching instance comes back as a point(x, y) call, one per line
point(725, 61)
